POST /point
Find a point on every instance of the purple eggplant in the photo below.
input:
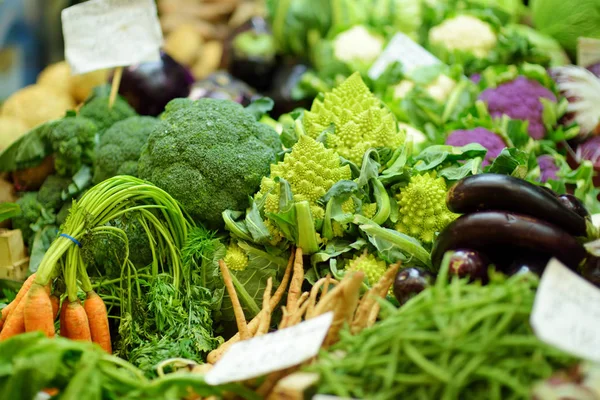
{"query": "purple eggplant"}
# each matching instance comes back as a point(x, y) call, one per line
point(148, 87)
point(284, 89)
point(221, 85)
point(574, 204)
point(410, 282)
point(528, 262)
point(250, 54)
point(469, 263)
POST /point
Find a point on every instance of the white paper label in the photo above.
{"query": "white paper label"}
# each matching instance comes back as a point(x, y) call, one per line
point(271, 352)
point(111, 33)
point(566, 312)
point(588, 51)
point(408, 52)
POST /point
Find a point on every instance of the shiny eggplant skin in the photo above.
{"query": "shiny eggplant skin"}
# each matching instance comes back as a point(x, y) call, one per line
point(505, 229)
point(502, 192)
point(409, 282)
point(469, 263)
point(528, 261)
point(574, 204)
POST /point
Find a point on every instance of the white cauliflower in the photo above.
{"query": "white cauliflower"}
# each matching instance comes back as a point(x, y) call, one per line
point(439, 89)
point(357, 44)
point(464, 33)
point(416, 136)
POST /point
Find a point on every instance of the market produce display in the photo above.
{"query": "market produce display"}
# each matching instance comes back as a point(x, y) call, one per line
point(407, 167)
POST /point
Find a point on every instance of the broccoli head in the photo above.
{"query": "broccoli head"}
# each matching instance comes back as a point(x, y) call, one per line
point(423, 210)
point(360, 120)
point(98, 110)
point(120, 147)
point(33, 217)
point(50, 193)
point(210, 155)
point(73, 144)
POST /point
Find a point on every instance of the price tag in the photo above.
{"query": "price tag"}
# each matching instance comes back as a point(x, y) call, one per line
point(566, 312)
point(271, 352)
point(103, 34)
point(588, 51)
point(402, 48)
point(596, 220)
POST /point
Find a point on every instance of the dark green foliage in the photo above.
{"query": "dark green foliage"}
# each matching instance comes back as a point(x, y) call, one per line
point(104, 253)
point(33, 217)
point(50, 193)
point(120, 147)
point(97, 109)
point(210, 155)
point(72, 140)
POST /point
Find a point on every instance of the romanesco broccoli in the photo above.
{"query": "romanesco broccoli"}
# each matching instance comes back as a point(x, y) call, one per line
point(311, 171)
point(235, 258)
point(369, 264)
point(423, 210)
point(360, 120)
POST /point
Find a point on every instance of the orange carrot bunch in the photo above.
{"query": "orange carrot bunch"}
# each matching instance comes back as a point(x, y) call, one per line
point(35, 309)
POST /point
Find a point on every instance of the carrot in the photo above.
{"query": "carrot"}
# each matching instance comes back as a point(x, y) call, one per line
point(238, 311)
point(38, 313)
point(98, 317)
point(76, 322)
point(62, 318)
point(15, 322)
point(13, 304)
point(55, 300)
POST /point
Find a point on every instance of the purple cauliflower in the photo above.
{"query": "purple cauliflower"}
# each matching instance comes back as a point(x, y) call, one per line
point(519, 99)
point(548, 168)
point(476, 77)
point(594, 69)
point(491, 141)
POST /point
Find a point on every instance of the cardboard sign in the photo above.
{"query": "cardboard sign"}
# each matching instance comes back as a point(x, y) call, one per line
point(566, 312)
point(272, 352)
point(103, 34)
point(588, 51)
point(402, 48)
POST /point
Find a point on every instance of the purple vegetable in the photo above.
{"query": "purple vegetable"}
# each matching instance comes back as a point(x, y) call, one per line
point(590, 150)
point(469, 263)
point(492, 142)
point(519, 99)
point(548, 168)
point(409, 282)
point(476, 77)
point(594, 69)
point(221, 85)
point(148, 87)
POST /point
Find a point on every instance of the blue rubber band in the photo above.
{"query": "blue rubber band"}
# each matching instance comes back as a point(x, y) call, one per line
point(71, 238)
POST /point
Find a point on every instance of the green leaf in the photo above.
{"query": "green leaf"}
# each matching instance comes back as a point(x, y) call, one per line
point(369, 168)
point(259, 107)
point(434, 156)
point(236, 226)
point(458, 172)
point(9, 210)
point(27, 151)
point(255, 225)
point(392, 245)
point(511, 161)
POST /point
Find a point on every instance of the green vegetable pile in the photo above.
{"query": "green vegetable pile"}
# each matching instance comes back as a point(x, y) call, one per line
point(453, 340)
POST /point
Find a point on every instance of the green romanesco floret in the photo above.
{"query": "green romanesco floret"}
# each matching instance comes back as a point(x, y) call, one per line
point(369, 264)
point(422, 207)
point(210, 155)
point(359, 118)
point(120, 147)
point(236, 259)
point(73, 144)
point(311, 171)
point(98, 110)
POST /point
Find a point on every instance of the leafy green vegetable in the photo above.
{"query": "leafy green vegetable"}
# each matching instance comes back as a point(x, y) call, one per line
point(9, 210)
point(454, 340)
